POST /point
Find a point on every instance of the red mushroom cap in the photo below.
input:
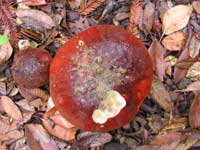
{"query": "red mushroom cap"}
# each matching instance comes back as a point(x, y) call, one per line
point(30, 67)
point(103, 62)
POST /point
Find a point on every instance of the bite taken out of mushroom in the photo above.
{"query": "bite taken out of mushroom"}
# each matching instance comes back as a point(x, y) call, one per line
point(30, 70)
point(100, 77)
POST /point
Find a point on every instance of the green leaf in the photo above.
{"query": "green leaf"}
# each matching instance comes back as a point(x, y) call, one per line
point(3, 39)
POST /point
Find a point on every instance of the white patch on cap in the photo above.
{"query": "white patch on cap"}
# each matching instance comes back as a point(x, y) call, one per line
point(109, 107)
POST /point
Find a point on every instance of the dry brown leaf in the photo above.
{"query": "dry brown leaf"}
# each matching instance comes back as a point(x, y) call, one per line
point(176, 18)
point(161, 95)
point(93, 139)
point(5, 52)
point(59, 131)
point(91, 6)
point(36, 15)
point(160, 64)
point(136, 13)
point(168, 138)
point(194, 72)
point(179, 73)
point(194, 86)
point(135, 18)
point(174, 41)
point(59, 120)
point(187, 144)
point(38, 139)
point(35, 2)
point(196, 6)
point(194, 119)
point(25, 105)
point(10, 108)
point(194, 47)
point(174, 125)
point(12, 135)
point(149, 15)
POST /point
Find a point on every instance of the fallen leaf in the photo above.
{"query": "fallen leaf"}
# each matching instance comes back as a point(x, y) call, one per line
point(196, 6)
point(35, 2)
point(176, 18)
point(58, 119)
point(194, 119)
point(187, 144)
point(59, 131)
point(179, 73)
point(38, 139)
point(149, 15)
point(10, 108)
point(93, 139)
point(157, 53)
point(194, 86)
point(25, 105)
point(174, 41)
point(135, 18)
point(168, 138)
point(12, 134)
point(36, 15)
point(194, 72)
point(161, 95)
point(194, 47)
point(174, 125)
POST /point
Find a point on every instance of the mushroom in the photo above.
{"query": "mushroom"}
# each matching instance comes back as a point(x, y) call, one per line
point(100, 77)
point(30, 69)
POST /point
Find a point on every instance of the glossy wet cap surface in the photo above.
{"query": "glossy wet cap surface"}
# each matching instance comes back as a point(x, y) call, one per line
point(101, 60)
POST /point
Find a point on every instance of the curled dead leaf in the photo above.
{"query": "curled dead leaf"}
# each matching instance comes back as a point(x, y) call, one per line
point(194, 119)
point(176, 18)
point(174, 41)
point(194, 47)
point(194, 72)
point(161, 65)
point(179, 73)
point(10, 108)
point(36, 15)
point(135, 18)
point(161, 95)
point(149, 15)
